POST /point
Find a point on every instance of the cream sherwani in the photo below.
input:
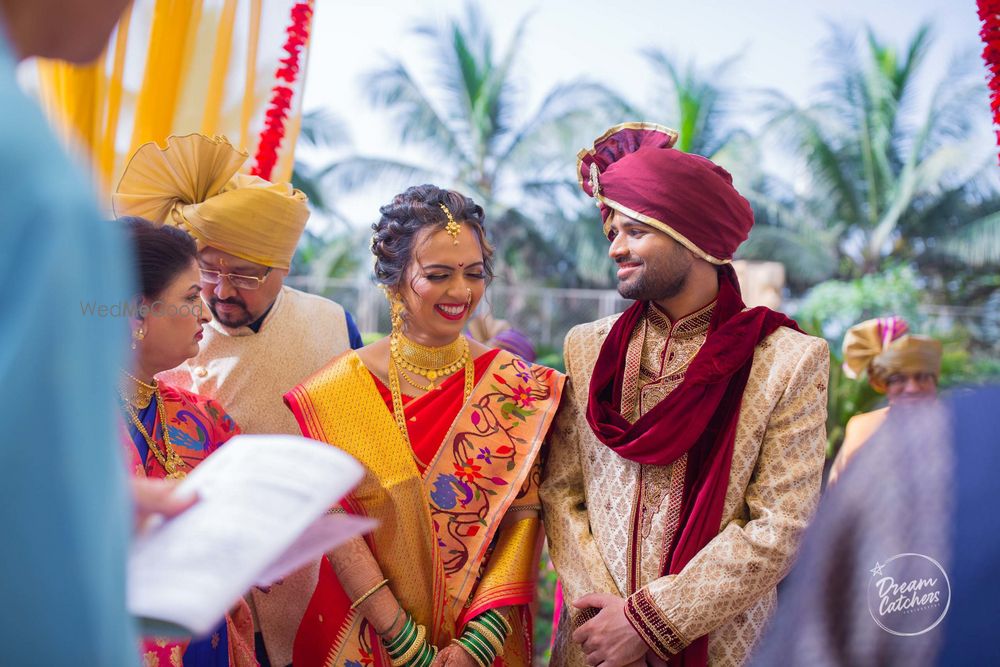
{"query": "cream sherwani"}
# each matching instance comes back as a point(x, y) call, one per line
point(610, 520)
point(249, 373)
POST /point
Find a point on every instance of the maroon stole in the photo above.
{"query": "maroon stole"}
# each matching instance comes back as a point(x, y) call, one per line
point(698, 418)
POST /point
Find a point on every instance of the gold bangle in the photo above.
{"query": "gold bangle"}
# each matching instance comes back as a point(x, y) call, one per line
point(503, 619)
point(414, 649)
point(354, 605)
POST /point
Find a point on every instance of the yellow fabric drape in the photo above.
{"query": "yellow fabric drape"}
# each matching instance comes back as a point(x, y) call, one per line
point(74, 89)
point(175, 67)
point(220, 63)
point(250, 85)
point(168, 55)
point(105, 150)
point(420, 526)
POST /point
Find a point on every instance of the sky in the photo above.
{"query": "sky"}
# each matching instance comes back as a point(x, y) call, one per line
point(779, 44)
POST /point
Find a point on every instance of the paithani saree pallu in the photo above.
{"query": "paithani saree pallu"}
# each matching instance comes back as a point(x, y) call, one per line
point(441, 539)
point(196, 426)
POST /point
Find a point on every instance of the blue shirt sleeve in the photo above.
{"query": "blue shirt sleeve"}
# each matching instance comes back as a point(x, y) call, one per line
point(353, 335)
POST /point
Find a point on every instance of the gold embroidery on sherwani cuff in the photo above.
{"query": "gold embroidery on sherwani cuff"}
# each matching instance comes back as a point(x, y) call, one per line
point(653, 627)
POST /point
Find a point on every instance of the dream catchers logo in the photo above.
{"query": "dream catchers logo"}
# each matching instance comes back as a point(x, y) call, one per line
point(909, 594)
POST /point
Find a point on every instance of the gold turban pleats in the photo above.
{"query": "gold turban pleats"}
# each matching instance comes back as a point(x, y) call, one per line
point(194, 184)
point(882, 347)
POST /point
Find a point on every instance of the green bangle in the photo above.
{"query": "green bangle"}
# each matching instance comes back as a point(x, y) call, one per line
point(473, 650)
point(425, 656)
point(403, 640)
point(493, 625)
point(399, 612)
point(500, 616)
point(413, 650)
point(485, 632)
point(496, 616)
point(480, 642)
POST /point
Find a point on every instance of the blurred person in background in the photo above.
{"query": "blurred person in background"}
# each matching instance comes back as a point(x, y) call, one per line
point(500, 334)
point(903, 366)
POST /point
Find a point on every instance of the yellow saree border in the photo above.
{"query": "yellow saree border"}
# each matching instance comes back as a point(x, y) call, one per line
point(341, 405)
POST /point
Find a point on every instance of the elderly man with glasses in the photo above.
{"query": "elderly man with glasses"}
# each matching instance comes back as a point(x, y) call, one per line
point(903, 366)
point(266, 337)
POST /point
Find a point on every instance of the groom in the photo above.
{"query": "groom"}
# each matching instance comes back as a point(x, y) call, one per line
point(687, 456)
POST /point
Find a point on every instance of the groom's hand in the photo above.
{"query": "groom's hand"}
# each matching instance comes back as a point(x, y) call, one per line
point(608, 639)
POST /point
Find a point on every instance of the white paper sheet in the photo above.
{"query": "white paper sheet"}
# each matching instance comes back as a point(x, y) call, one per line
point(325, 533)
point(259, 496)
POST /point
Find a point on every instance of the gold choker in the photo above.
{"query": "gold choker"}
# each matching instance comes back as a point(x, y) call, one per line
point(430, 362)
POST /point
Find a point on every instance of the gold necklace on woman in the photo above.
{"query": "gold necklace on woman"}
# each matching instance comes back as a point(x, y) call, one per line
point(139, 394)
point(430, 362)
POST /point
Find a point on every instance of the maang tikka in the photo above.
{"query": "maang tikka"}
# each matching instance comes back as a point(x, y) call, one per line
point(452, 228)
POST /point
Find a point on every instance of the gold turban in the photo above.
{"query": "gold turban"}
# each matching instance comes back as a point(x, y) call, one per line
point(193, 183)
point(883, 347)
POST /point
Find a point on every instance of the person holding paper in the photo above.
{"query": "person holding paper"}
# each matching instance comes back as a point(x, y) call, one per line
point(168, 430)
point(449, 432)
point(265, 337)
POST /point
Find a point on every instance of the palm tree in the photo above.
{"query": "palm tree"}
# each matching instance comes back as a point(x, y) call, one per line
point(693, 100)
point(881, 178)
point(319, 129)
point(332, 253)
point(465, 118)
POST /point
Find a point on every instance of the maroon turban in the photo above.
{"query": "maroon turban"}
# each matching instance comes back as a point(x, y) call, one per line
point(634, 170)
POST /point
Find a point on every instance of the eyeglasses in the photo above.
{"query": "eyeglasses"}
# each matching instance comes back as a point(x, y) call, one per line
point(235, 279)
point(900, 379)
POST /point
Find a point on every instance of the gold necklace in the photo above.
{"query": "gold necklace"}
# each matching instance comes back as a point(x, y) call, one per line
point(397, 395)
point(137, 392)
point(169, 458)
point(431, 362)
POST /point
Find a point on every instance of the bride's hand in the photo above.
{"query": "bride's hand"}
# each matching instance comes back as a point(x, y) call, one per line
point(453, 656)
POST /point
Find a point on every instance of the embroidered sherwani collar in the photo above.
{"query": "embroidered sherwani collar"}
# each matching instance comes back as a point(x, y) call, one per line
point(685, 327)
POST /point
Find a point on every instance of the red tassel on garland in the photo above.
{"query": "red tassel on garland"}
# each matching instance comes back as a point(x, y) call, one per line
point(281, 95)
point(989, 14)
